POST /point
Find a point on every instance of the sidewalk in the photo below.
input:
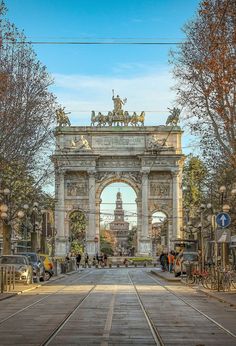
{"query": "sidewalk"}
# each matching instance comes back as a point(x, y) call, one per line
point(165, 275)
point(225, 297)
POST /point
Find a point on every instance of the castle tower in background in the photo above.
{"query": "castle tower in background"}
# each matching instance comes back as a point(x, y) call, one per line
point(119, 227)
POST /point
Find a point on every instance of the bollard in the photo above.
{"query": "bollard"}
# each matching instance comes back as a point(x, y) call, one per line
point(1, 278)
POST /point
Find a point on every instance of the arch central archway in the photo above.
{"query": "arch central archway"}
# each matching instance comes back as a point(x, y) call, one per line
point(118, 216)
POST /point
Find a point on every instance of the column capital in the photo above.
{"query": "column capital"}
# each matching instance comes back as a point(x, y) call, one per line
point(145, 171)
point(91, 172)
point(174, 173)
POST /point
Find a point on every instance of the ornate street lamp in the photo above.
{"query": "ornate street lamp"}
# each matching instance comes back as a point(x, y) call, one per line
point(6, 220)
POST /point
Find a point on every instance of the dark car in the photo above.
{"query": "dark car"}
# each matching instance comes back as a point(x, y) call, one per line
point(37, 265)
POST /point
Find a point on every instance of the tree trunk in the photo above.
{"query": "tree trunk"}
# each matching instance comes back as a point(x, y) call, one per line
point(6, 239)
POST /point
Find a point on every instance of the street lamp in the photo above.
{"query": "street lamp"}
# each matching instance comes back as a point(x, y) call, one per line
point(7, 216)
point(225, 208)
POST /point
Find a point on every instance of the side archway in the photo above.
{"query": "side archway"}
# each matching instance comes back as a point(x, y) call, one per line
point(159, 231)
point(77, 231)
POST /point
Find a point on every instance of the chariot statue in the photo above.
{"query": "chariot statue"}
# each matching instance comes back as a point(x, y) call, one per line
point(117, 117)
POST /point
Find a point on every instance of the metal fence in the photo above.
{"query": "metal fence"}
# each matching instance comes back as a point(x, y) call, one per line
point(7, 278)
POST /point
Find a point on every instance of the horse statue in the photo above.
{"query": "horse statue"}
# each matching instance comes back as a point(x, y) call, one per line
point(173, 118)
point(62, 118)
point(93, 118)
point(136, 119)
point(141, 118)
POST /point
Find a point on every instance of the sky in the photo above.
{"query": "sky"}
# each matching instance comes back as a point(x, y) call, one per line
point(85, 74)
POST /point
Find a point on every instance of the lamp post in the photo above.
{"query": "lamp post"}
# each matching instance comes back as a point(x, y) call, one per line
point(225, 208)
point(96, 244)
point(34, 233)
point(7, 215)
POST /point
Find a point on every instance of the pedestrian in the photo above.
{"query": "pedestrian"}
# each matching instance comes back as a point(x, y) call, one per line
point(86, 259)
point(164, 261)
point(105, 259)
point(78, 259)
point(94, 261)
point(171, 259)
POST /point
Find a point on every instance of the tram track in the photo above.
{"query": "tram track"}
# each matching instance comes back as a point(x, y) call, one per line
point(155, 333)
point(227, 331)
point(102, 297)
point(56, 330)
point(42, 299)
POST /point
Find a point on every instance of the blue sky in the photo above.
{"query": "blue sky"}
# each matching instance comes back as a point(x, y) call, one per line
point(86, 74)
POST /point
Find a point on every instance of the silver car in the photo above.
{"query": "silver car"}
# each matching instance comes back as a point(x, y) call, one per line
point(23, 270)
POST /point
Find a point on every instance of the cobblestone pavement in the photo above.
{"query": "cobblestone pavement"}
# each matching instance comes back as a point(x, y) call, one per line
point(115, 307)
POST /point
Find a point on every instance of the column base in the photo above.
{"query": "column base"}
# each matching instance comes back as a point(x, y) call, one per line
point(145, 247)
point(62, 246)
point(92, 247)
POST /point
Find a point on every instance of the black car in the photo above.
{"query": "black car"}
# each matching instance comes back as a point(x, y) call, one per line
point(37, 265)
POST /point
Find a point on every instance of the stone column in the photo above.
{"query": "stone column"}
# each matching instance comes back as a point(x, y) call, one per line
point(91, 232)
point(145, 241)
point(176, 215)
point(61, 245)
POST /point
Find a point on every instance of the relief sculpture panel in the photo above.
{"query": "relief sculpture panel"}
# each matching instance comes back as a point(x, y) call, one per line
point(159, 190)
point(76, 189)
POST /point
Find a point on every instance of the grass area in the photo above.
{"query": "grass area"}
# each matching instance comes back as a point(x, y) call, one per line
point(140, 260)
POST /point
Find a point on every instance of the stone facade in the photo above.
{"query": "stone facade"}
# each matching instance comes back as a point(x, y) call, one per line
point(87, 159)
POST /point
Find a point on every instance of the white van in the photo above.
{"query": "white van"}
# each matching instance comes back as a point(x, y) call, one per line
point(184, 258)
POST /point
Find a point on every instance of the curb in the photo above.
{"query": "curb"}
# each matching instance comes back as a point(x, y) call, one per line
point(165, 278)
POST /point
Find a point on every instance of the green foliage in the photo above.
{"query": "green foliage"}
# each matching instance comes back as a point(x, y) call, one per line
point(76, 247)
point(194, 179)
point(77, 225)
point(141, 260)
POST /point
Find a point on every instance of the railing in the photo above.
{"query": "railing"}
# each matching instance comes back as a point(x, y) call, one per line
point(7, 278)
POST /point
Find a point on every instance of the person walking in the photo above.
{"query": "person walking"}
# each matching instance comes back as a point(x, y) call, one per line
point(78, 259)
point(164, 261)
point(171, 259)
point(86, 260)
point(105, 259)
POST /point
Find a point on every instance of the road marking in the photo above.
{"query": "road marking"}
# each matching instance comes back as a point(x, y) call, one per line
point(108, 324)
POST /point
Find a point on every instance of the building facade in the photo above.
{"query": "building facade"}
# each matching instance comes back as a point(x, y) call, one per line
point(119, 227)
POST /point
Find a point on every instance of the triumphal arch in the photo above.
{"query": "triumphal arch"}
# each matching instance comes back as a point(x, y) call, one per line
point(117, 147)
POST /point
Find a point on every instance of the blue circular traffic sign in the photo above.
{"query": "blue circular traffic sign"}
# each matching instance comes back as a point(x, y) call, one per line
point(223, 220)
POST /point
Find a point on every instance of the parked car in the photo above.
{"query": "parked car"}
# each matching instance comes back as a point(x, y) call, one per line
point(48, 265)
point(184, 259)
point(37, 265)
point(23, 269)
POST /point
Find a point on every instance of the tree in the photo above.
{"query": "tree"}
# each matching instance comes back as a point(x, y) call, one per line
point(22, 191)
point(194, 183)
point(107, 242)
point(205, 69)
point(27, 108)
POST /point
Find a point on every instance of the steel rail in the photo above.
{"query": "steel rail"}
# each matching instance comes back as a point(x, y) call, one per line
point(192, 306)
point(56, 330)
point(156, 335)
point(43, 298)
